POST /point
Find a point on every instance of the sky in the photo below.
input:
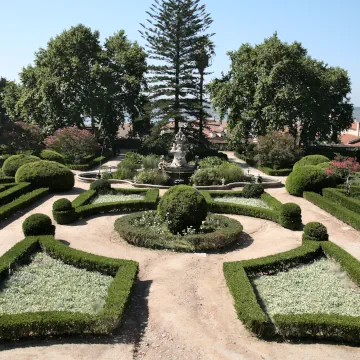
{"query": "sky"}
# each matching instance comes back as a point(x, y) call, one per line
point(329, 29)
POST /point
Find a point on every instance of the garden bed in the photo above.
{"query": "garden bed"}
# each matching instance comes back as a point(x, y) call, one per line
point(146, 229)
point(283, 310)
point(91, 301)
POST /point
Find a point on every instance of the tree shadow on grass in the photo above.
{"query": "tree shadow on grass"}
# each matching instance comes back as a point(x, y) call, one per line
point(130, 331)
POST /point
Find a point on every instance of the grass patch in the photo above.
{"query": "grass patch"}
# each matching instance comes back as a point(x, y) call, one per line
point(47, 284)
point(111, 198)
point(243, 201)
point(318, 287)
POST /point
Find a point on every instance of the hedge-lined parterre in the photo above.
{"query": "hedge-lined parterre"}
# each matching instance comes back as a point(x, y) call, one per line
point(239, 277)
point(14, 326)
point(287, 215)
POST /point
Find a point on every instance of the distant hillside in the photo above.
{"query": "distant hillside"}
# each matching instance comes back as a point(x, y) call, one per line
point(357, 113)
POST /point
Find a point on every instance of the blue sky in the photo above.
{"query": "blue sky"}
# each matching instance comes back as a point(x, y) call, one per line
point(329, 29)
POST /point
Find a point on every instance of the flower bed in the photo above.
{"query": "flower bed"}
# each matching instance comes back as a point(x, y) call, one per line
point(113, 198)
point(249, 306)
point(242, 201)
point(48, 321)
point(146, 229)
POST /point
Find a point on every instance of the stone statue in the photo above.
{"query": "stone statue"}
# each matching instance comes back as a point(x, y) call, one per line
point(179, 149)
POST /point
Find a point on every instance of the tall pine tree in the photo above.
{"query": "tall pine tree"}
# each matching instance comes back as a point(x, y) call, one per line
point(176, 30)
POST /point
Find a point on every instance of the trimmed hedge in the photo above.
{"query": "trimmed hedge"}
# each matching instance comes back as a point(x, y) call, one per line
point(273, 172)
point(311, 160)
point(290, 216)
point(52, 155)
point(277, 213)
point(252, 191)
point(13, 192)
point(238, 276)
point(6, 179)
point(38, 224)
point(347, 216)
point(145, 237)
point(48, 323)
point(55, 176)
point(14, 162)
point(88, 166)
point(64, 212)
point(22, 202)
point(101, 186)
point(340, 198)
point(315, 231)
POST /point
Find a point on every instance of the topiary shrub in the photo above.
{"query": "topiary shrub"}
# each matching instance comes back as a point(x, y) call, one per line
point(311, 160)
point(101, 186)
point(63, 212)
point(252, 191)
point(290, 216)
point(324, 165)
point(315, 231)
point(52, 155)
point(306, 178)
point(152, 177)
point(46, 174)
point(13, 163)
point(181, 207)
point(38, 224)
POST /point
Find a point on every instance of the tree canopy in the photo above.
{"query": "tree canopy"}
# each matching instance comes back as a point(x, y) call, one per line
point(75, 78)
point(276, 86)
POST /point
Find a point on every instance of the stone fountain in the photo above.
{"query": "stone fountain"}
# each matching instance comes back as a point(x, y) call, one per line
point(179, 171)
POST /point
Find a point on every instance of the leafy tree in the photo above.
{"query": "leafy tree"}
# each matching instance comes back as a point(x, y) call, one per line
point(276, 86)
point(176, 30)
point(4, 117)
point(75, 79)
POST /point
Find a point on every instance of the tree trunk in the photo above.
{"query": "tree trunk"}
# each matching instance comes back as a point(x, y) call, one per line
point(201, 113)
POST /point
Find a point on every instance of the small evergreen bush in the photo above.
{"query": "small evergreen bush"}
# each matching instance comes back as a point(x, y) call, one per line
point(101, 186)
point(253, 191)
point(13, 163)
point(52, 155)
point(123, 173)
point(182, 207)
point(290, 216)
point(152, 177)
point(38, 224)
point(151, 162)
point(315, 231)
point(63, 212)
point(210, 161)
point(42, 174)
point(62, 205)
point(129, 165)
point(306, 178)
point(134, 157)
point(206, 177)
point(311, 160)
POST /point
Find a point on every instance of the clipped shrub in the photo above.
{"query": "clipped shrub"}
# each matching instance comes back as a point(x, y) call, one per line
point(101, 186)
point(124, 174)
point(50, 174)
point(252, 191)
point(315, 231)
point(306, 178)
point(290, 216)
point(206, 177)
point(38, 224)
point(151, 162)
point(311, 160)
point(152, 177)
point(13, 163)
point(63, 212)
point(324, 165)
point(181, 207)
point(134, 157)
point(129, 165)
point(52, 155)
point(210, 161)
point(230, 172)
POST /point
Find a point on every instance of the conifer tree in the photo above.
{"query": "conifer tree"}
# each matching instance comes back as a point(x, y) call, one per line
point(175, 31)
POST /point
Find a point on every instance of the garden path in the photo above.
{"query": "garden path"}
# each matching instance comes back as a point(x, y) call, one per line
point(181, 308)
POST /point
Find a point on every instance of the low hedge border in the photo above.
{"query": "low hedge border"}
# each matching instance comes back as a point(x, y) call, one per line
point(14, 326)
point(6, 186)
point(142, 237)
point(88, 166)
point(273, 214)
point(6, 179)
point(14, 192)
point(83, 208)
point(238, 276)
point(338, 197)
point(342, 213)
point(22, 202)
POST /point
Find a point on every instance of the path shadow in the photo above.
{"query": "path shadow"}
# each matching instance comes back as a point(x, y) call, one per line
point(64, 242)
point(84, 221)
point(242, 242)
point(73, 191)
point(130, 331)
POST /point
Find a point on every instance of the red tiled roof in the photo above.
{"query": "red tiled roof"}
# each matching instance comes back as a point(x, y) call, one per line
point(351, 140)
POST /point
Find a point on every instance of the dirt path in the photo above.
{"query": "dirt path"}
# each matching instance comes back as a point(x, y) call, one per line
point(181, 308)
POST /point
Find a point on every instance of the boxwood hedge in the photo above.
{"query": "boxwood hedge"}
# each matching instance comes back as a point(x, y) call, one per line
point(278, 212)
point(239, 276)
point(339, 197)
point(14, 326)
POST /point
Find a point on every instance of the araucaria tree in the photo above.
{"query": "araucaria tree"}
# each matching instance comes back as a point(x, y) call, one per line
point(75, 79)
point(276, 86)
point(176, 30)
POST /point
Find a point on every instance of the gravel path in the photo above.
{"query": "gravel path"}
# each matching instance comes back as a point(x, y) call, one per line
point(181, 308)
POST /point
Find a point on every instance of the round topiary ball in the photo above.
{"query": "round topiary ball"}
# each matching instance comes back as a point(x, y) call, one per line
point(46, 174)
point(315, 231)
point(101, 186)
point(62, 205)
point(38, 224)
point(306, 178)
point(181, 207)
point(52, 155)
point(13, 163)
point(290, 216)
point(311, 160)
point(252, 191)
point(63, 212)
